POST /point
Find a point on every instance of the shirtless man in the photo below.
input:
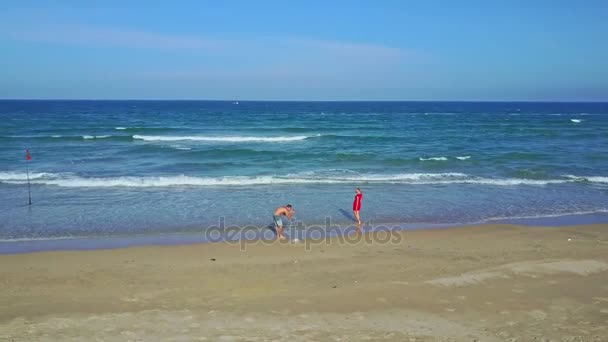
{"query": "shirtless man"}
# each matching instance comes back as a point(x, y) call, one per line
point(278, 220)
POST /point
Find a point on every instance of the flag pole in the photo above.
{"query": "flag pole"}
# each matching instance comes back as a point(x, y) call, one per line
point(27, 168)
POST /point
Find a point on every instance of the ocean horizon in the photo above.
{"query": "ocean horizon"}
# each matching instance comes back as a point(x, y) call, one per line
point(115, 168)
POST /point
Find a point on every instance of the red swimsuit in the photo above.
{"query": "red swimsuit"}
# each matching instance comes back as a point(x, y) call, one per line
point(357, 202)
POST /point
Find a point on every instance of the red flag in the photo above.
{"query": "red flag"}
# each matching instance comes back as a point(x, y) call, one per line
point(27, 154)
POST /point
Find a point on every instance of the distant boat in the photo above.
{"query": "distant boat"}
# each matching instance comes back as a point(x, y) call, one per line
point(235, 102)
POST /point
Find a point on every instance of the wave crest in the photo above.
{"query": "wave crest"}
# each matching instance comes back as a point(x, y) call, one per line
point(22, 176)
point(592, 179)
point(433, 159)
point(88, 137)
point(443, 158)
point(223, 138)
point(69, 180)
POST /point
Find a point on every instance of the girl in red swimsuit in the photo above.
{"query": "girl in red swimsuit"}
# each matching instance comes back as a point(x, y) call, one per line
point(357, 204)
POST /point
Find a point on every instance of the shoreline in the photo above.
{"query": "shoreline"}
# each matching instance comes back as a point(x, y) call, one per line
point(19, 246)
point(485, 283)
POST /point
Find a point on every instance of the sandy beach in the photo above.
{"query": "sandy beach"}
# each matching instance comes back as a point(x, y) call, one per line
point(481, 283)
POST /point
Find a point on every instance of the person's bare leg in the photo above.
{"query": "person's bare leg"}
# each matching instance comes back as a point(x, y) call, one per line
point(280, 235)
point(356, 212)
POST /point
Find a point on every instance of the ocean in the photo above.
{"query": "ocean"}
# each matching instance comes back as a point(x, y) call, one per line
point(105, 169)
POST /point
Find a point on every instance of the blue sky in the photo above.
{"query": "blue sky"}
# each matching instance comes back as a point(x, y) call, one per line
point(305, 50)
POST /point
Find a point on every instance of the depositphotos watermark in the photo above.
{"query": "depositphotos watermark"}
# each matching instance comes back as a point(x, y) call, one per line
point(307, 236)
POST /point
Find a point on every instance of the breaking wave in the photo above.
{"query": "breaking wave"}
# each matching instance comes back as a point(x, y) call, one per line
point(433, 159)
point(87, 137)
point(70, 180)
point(223, 138)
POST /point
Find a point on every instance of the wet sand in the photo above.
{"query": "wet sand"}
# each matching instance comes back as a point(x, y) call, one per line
point(482, 283)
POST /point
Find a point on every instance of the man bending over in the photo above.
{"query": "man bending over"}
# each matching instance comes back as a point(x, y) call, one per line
point(278, 219)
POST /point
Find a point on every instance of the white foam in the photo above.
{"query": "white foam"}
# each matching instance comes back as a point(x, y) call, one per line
point(120, 128)
point(434, 159)
point(22, 176)
point(319, 173)
point(576, 120)
point(87, 137)
point(68, 180)
point(50, 238)
point(511, 181)
point(592, 179)
point(597, 179)
point(463, 157)
point(56, 136)
point(403, 177)
point(183, 180)
point(222, 138)
point(541, 216)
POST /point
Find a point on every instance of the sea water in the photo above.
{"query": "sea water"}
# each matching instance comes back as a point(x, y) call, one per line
point(148, 168)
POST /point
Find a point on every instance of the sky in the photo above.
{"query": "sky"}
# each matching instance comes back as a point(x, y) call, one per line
point(502, 50)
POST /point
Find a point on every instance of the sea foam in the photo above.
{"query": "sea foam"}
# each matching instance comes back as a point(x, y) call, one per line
point(235, 139)
point(88, 137)
point(22, 176)
point(433, 159)
point(592, 179)
point(443, 158)
point(69, 180)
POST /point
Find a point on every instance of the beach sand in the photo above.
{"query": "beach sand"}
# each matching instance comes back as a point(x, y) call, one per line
point(481, 283)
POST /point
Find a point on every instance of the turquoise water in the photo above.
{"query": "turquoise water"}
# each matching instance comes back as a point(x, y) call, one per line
point(146, 168)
